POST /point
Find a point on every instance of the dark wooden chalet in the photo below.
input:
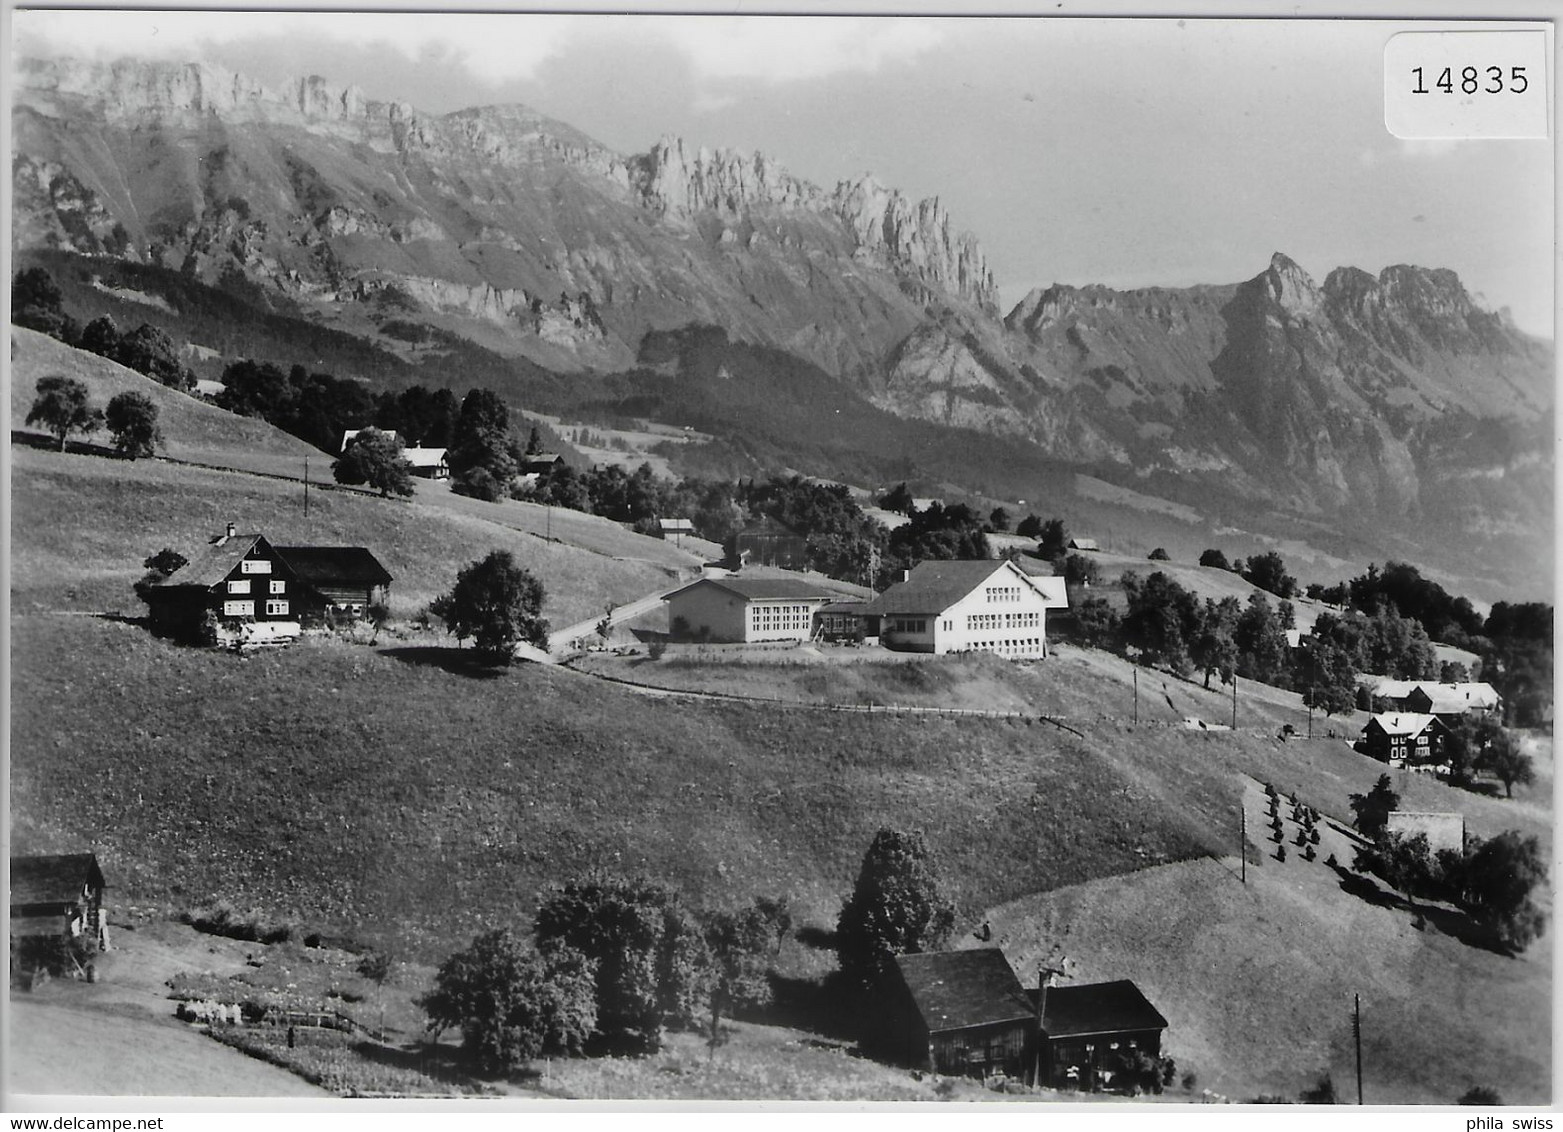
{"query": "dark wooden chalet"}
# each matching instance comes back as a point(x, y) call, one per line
point(240, 576)
point(1400, 737)
point(959, 1012)
point(1090, 1032)
point(341, 580)
point(771, 543)
point(54, 900)
point(243, 577)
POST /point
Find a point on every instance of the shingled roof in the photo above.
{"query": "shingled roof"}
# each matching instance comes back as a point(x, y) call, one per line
point(334, 565)
point(213, 563)
point(1407, 723)
point(55, 879)
point(957, 989)
point(1099, 1008)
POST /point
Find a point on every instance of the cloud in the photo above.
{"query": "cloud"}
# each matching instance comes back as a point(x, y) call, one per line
point(495, 48)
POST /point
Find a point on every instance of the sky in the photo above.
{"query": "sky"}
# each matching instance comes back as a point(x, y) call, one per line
point(1122, 152)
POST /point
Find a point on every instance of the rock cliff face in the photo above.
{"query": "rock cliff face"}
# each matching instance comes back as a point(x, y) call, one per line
point(315, 191)
point(1390, 393)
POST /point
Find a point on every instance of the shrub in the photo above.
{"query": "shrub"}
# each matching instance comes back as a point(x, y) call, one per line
point(1322, 1091)
point(1332, 862)
point(132, 421)
point(1481, 1095)
point(1280, 852)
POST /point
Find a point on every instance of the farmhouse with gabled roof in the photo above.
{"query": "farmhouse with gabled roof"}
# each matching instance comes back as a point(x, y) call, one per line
point(1399, 737)
point(54, 898)
point(970, 605)
point(959, 1012)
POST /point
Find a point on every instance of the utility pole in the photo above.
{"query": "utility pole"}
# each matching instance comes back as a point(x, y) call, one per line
point(1234, 701)
point(1045, 975)
point(1242, 843)
point(1136, 696)
point(1356, 1033)
point(1313, 695)
point(306, 485)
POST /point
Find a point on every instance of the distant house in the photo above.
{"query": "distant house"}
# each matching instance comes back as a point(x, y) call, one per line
point(1400, 737)
point(973, 605)
point(271, 590)
point(958, 1012)
point(842, 620)
point(1089, 545)
point(675, 528)
point(352, 434)
point(535, 463)
point(1452, 701)
point(54, 899)
point(1443, 831)
point(205, 387)
point(744, 610)
point(1088, 1031)
point(1387, 695)
point(770, 543)
point(428, 463)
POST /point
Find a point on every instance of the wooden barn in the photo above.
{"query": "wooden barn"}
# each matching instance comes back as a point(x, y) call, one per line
point(340, 580)
point(959, 1012)
point(771, 543)
point(1092, 1032)
point(55, 900)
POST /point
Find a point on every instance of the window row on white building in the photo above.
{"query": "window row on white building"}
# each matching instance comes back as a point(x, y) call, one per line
point(781, 618)
point(982, 622)
point(247, 608)
point(242, 586)
point(1003, 593)
point(1022, 646)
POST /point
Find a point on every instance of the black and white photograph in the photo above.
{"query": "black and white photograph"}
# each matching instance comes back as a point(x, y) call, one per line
point(796, 557)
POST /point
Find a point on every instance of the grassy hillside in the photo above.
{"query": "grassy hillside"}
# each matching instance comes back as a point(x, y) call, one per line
point(193, 430)
point(81, 526)
point(1256, 982)
point(381, 791)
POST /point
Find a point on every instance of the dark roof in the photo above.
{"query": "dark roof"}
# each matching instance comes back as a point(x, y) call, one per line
point(956, 989)
point(765, 589)
point(1098, 1008)
point(56, 879)
point(845, 605)
point(934, 586)
point(766, 525)
point(334, 565)
point(213, 563)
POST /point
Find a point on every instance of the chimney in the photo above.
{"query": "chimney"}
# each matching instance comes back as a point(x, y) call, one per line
point(906, 575)
point(231, 532)
point(218, 540)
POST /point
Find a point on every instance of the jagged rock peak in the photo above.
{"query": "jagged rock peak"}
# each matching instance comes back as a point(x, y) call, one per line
point(127, 88)
point(674, 178)
point(1292, 288)
point(916, 237)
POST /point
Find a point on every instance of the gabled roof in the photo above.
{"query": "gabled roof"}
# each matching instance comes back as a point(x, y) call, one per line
point(764, 589)
point(934, 586)
point(1389, 689)
point(1407, 723)
point(766, 525)
point(1098, 1008)
point(1454, 699)
point(351, 434)
point(334, 565)
point(1084, 544)
point(424, 457)
point(956, 989)
point(214, 562)
point(676, 526)
point(56, 879)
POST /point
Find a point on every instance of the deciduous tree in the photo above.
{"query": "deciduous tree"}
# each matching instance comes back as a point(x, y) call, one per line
point(132, 421)
point(498, 604)
point(375, 458)
point(62, 406)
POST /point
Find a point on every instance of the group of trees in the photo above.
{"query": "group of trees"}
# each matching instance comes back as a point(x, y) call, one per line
point(611, 964)
point(1492, 880)
point(315, 407)
point(63, 405)
point(38, 304)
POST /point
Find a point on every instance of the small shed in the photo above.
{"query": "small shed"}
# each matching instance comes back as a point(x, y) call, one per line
point(1090, 545)
point(55, 899)
point(428, 463)
point(1443, 831)
point(676, 528)
point(340, 580)
point(959, 1012)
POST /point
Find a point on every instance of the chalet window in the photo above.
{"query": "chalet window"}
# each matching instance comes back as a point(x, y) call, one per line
point(255, 566)
point(239, 587)
point(278, 587)
point(276, 609)
point(238, 609)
